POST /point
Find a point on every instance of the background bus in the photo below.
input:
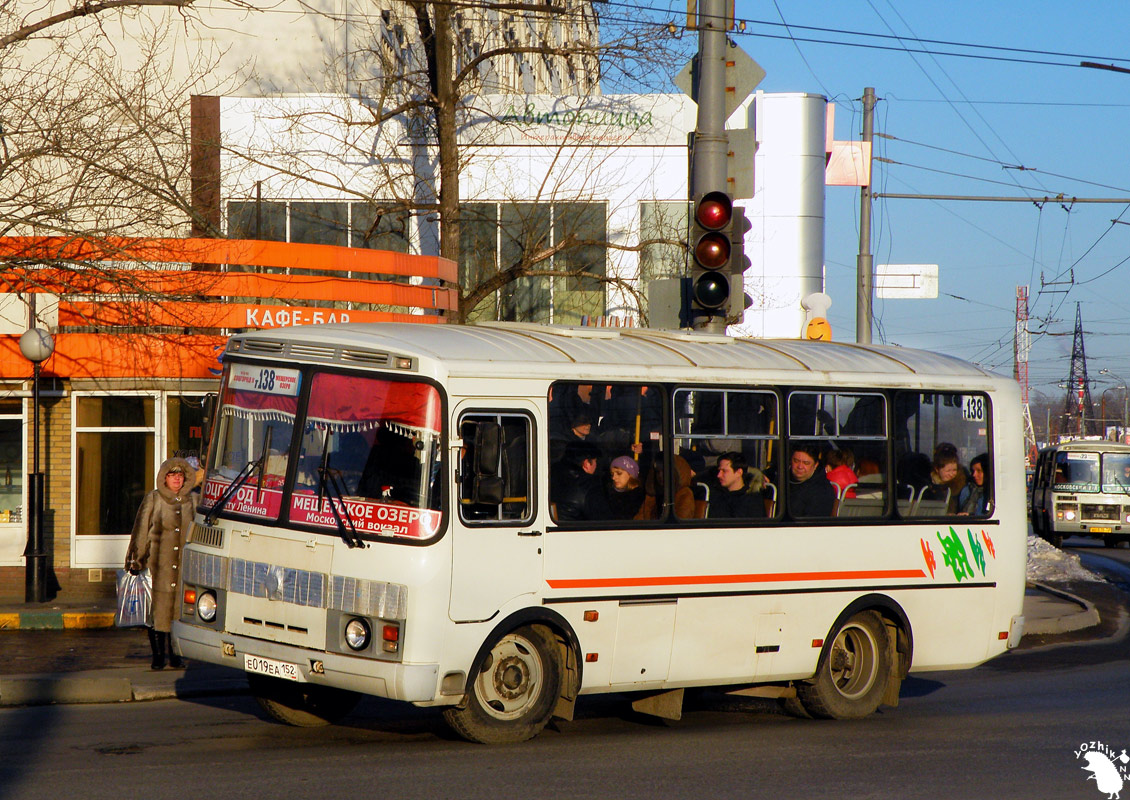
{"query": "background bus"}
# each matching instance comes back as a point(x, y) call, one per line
point(1082, 488)
point(425, 513)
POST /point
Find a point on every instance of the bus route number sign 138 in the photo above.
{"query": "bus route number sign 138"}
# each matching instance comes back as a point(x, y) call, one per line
point(265, 380)
point(973, 408)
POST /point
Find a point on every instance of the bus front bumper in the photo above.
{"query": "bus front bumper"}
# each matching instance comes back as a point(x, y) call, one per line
point(413, 683)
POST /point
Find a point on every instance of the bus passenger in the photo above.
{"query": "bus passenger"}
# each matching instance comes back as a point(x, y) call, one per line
point(626, 493)
point(738, 495)
point(839, 466)
point(579, 429)
point(974, 498)
point(810, 493)
point(945, 474)
point(574, 487)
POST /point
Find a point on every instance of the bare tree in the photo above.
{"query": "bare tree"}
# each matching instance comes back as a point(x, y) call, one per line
point(94, 138)
point(426, 75)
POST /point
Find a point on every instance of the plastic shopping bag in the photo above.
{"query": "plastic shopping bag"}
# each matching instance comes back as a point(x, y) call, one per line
point(135, 599)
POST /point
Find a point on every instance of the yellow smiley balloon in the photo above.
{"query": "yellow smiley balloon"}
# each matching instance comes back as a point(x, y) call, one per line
point(819, 329)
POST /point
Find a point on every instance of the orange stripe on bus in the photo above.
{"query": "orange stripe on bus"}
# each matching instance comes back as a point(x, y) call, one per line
point(764, 577)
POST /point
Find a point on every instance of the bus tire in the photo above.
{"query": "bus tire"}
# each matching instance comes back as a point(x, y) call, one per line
point(515, 691)
point(302, 705)
point(852, 677)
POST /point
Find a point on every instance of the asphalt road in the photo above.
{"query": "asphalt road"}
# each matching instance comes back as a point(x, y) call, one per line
point(1009, 729)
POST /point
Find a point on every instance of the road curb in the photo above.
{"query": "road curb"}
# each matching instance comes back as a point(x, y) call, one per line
point(101, 687)
point(39, 691)
point(56, 620)
point(1086, 617)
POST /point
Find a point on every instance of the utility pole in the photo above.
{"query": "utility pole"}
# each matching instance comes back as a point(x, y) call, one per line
point(864, 263)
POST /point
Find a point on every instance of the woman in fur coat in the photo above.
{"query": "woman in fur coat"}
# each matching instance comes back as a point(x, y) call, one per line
point(157, 542)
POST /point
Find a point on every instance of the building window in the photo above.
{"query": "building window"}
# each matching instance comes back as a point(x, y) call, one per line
point(376, 226)
point(319, 223)
point(379, 226)
point(114, 460)
point(11, 462)
point(184, 426)
point(501, 236)
point(665, 224)
point(478, 246)
point(265, 221)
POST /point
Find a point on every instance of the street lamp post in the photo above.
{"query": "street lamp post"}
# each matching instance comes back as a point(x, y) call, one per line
point(1104, 417)
point(1125, 398)
point(36, 345)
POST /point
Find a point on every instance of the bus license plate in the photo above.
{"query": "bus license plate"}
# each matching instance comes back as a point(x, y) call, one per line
point(268, 666)
point(1099, 530)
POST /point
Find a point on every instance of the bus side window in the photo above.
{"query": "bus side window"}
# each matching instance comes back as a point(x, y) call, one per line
point(945, 463)
point(845, 433)
point(495, 465)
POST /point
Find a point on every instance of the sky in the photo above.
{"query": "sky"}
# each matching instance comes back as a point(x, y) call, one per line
point(1021, 119)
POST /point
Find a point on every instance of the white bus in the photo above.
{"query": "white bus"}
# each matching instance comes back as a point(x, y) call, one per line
point(1082, 488)
point(426, 513)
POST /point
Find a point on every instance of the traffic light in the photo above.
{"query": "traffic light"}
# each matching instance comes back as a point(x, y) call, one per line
point(711, 249)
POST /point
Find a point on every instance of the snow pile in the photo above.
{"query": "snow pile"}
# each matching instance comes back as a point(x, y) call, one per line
point(1049, 564)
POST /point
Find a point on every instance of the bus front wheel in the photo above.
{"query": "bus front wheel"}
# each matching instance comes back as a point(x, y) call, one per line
point(852, 678)
point(302, 705)
point(515, 691)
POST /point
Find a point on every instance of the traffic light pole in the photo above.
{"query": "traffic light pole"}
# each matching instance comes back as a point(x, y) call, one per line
point(708, 156)
point(708, 160)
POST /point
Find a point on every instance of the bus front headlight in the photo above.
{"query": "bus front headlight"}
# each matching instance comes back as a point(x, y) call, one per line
point(357, 634)
point(206, 606)
point(1067, 513)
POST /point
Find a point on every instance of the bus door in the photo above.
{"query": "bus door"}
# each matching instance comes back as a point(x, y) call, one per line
point(496, 525)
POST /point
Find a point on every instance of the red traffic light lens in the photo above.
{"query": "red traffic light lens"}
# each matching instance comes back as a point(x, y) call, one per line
point(711, 290)
point(712, 251)
point(714, 210)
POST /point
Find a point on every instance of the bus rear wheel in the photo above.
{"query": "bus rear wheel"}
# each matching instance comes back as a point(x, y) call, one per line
point(515, 691)
point(852, 678)
point(302, 705)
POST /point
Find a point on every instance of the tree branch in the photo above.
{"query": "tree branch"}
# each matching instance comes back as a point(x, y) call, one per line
point(84, 9)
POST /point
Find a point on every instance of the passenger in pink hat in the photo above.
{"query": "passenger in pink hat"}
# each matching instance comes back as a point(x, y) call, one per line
point(626, 492)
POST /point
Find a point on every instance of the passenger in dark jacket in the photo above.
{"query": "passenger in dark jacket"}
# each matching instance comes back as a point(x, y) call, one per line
point(574, 488)
point(738, 493)
point(810, 492)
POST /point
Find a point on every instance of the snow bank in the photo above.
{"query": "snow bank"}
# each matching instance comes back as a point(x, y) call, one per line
point(1049, 564)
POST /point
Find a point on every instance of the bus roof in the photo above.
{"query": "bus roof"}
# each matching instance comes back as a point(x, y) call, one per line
point(1089, 446)
point(532, 350)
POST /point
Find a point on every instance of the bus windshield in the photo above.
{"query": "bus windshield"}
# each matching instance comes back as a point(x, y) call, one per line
point(366, 452)
point(1116, 473)
point(1076, 471)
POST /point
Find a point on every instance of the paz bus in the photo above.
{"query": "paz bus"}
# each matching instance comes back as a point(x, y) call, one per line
point(424, 513)
point(1082, 488)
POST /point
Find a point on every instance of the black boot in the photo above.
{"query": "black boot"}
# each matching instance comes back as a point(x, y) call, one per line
point(175, 661)
point(157, 645)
